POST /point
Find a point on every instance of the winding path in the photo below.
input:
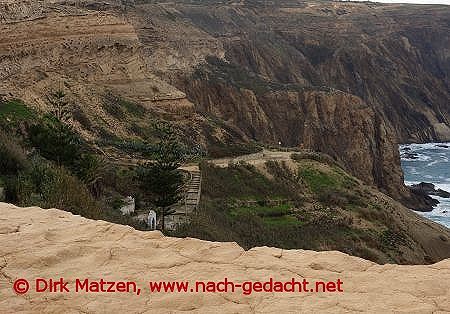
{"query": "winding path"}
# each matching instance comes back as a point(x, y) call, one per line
point(194, 187)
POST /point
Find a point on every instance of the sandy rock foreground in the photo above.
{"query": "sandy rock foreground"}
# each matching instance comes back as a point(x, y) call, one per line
point(37, 243)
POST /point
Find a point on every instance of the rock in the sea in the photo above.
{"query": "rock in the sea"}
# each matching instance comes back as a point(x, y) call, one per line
point(442, 193)
point(430, 189)
point(37, 243)
point(420, 193)
point(408, 155)
point(424, 186)
point(443, 146)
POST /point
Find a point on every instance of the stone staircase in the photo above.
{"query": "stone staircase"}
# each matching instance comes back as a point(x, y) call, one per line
point(193, 191)
point(190, 204)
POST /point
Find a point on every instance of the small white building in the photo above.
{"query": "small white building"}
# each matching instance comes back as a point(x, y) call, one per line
point(151, 220)
point(129, 206)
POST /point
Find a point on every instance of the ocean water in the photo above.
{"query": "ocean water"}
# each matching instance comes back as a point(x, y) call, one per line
point(432, 165)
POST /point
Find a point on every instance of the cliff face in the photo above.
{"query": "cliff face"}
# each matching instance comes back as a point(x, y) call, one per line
point(330, 121)
point(91, 52)
point(395, 57)
point(391, 60)
point(348, 79)
point(48, 244)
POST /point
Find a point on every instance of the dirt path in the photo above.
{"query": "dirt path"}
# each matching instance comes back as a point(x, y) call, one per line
point(254, 159)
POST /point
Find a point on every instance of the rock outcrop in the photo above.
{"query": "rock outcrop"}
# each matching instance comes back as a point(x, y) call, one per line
point(333, 122)
point(430, 189)
point(89, 50)
point(39, 243)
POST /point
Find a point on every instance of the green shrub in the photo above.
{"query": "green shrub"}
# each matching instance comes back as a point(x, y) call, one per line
point(333, 197)
point(12, 155)
point(263, 211)
point(316, 156)
point(282, 221)
point(240, 181)
point(136, 146)
point(68, 193)
point(220, 150)
point(91, 169)
point(47, 186)
point(56, 141)
point(82, 118)
point(117, 107)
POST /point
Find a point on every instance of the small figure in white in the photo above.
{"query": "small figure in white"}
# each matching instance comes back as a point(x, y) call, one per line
point(129, 206)
point(151, 220)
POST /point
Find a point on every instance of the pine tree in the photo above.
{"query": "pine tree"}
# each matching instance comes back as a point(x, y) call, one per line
point(60, 107)
point(161, 177)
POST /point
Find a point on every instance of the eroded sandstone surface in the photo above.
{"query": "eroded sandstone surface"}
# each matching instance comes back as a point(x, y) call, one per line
point(53, 244)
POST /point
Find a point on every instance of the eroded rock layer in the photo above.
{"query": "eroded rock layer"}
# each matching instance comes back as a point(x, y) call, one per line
point(39, 243)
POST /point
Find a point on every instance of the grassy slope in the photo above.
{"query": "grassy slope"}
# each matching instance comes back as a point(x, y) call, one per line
point(312, 205)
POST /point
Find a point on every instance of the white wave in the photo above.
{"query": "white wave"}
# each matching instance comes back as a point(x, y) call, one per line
point(442, 186)
point(433, 163)
point(409, 183)
point(440, 213)
point(417, 157)
point(436, 156)
point(417, 147)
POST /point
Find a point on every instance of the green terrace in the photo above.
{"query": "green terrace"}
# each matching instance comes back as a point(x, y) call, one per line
point(271, 215)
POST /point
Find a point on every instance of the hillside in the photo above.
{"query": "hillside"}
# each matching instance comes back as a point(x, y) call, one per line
point(40, 243)
point(347, 79)
point(309, 202)
point(93, 54)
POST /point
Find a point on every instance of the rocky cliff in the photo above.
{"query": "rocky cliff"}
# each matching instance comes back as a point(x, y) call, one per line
point(395, 57)
point(348, 79)
point(39, 243)
point(92, 52)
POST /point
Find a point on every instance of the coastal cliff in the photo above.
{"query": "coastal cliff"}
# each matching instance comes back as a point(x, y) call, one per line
point(348, 79)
